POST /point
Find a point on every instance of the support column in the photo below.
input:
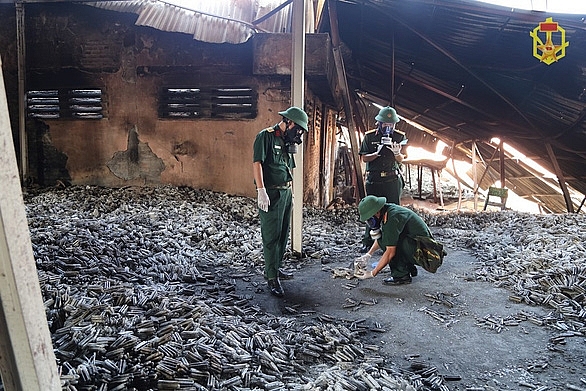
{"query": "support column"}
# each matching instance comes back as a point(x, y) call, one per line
point(21, 45)
point(561, 178)
point(27, 361)
point(298, 99)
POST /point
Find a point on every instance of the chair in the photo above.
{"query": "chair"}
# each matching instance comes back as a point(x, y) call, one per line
point(497, 192)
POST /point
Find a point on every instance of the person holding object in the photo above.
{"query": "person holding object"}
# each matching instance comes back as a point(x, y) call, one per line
point(273, 161)
point(399, 227)
point(381, 151)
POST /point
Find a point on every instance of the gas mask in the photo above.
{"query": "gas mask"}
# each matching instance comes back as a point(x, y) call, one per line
point(292, 137)
point(386, 130)
point(374, 225)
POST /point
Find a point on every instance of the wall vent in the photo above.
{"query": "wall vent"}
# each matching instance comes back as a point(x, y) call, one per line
point(226, 103)
point(75, 104)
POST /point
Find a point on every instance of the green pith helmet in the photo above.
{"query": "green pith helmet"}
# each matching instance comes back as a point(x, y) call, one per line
point(296, 115)
point(370, 205)
point(387, 115)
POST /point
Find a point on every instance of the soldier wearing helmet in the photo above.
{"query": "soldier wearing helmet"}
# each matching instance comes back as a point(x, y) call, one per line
point(381, 151)
point(399, 229)
point(273, 161)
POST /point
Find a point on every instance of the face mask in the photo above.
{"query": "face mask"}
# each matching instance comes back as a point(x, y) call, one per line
point(374, 225)
point(292, 138)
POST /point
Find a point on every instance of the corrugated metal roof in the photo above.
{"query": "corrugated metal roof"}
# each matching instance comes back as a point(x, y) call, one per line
point(210, 21)
point(462, 69)
point(466, 71)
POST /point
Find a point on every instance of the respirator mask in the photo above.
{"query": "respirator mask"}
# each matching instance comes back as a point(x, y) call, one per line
point(292, 137)
point(374, 225)
point(386, 130)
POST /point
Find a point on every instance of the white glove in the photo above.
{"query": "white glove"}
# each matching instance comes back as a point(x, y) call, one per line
point(263, 199)
point(360, 264)
point(395, 148)
point(362, 260)
point(365, 275)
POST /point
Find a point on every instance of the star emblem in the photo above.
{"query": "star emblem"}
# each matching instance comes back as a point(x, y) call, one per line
point(548, 51)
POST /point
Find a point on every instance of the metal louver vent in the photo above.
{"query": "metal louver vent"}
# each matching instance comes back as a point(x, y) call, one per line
point(230, 102)
point(75, 103)
point(43, 104)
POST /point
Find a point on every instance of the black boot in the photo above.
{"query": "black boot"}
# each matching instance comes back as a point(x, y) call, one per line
point(397, 280)
point(276, 288)
point(283, 275)
point(413, 270)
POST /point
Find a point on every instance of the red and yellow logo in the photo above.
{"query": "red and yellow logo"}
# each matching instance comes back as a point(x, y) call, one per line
point(549, 52)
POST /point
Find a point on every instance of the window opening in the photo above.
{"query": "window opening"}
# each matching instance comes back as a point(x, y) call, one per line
point(180, 103)
point(85, 104)
point(234, 102)
point(43, 104)
point(75, 103)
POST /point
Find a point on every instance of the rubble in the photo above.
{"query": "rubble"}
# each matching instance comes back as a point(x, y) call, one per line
point(138, 285)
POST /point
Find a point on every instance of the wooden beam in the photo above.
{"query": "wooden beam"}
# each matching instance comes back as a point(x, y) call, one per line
point(561, 179)
point(21, 50)
point(487, 166)
point(502, 163)
point(27, 361)
point(348, 106)
point(298, 99)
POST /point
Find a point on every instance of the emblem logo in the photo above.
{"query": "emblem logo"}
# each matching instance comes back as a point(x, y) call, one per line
point(549, 52)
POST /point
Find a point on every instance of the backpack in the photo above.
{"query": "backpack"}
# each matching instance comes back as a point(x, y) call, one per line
point(429, 253)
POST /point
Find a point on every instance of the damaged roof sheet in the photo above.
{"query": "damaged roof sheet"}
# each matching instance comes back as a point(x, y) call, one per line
point(466, 71)
point(208, 21)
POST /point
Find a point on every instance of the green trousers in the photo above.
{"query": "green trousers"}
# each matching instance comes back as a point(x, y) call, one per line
point(274, 229)
point(392, 190)
point(403, 260)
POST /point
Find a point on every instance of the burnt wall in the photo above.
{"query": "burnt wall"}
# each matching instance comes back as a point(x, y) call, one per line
point(9, 58)
point(134, 140)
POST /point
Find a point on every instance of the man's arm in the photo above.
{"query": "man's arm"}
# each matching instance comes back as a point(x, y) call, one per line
point(258, 175)
point(369, 157)
point(385, 259)
point(262, 197)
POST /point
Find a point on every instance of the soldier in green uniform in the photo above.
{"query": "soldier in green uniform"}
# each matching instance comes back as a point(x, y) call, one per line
point(381, 151)
point(399, 228)
point(273, 161)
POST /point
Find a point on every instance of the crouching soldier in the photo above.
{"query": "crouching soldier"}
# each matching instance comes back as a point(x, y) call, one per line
point(404, 238)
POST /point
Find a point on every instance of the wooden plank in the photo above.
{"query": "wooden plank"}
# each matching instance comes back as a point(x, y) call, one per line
point(561, 179)
point(348, 106)
point(27, 361)
point(298, 99)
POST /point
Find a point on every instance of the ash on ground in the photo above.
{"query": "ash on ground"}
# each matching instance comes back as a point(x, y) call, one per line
point(142, 288)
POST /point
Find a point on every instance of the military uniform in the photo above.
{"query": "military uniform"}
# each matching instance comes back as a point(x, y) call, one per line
point(399, 227)
point(277, 164)
point(383, 174)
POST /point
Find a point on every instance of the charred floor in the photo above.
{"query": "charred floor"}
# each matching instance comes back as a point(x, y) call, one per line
point(162, 288)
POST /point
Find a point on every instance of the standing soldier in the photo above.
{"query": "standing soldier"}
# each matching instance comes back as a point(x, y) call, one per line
point(381, 151)
point(272, 164)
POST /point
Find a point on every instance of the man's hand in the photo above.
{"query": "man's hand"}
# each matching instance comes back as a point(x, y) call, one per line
point(395, 148)
point(263, 199)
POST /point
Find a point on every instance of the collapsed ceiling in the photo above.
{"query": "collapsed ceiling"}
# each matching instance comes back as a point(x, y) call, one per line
point(466, 73)
point(458, 71)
